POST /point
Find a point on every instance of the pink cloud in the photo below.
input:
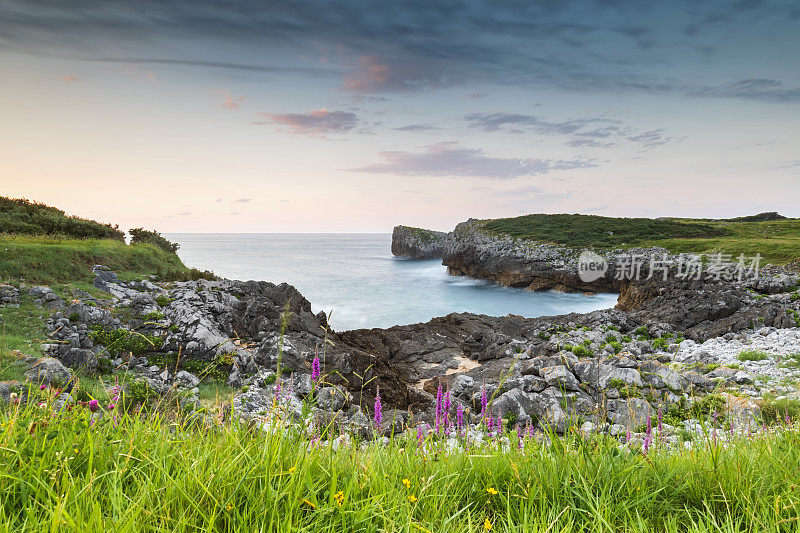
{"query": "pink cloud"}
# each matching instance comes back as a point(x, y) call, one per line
point(375, 74)
point(229, 101)
point(315, 123)
point(69, 78)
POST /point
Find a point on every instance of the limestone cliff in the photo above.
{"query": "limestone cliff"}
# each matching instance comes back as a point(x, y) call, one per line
point(417, 243)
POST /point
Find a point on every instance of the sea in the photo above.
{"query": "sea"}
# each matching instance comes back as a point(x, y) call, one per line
point(355, 278)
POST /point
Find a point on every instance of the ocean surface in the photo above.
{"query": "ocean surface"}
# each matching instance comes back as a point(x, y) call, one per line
point(355, 277)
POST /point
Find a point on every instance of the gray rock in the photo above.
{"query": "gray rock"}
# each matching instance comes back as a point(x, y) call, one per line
point(47, 371)
point(331, 398)
point(560, 377)
point(630, 413)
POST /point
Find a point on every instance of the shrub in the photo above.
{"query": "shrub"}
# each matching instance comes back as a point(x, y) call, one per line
point(783, 410)
point(752, 355)
point(616, 346)
point(118, 341)
point(74, 317)
point(152, 315)
point(163, 300)
point(136, 393)
point(190, 274)
point(661, 344)
point(22, 216)
point(143, 236)
point(582, 351)
point(104, 365)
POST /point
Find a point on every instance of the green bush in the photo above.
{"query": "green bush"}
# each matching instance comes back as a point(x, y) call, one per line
point(778, 411)
point(143, 236)
point(21, 216)
point(616, 346)
point(136, 393)
point(152, 316)
point(582, 351)
point(163, 300)
point(119, 341)
point(752, 355)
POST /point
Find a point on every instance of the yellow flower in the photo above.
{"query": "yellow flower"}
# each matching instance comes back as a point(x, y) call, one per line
point(412, 498)
point(492, 491)
point(487, 525)
point(339, 497)
point(229, 507)
point(407, 483)
point(292, 469)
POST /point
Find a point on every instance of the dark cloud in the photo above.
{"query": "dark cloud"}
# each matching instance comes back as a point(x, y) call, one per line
point(416, 127)
point(597, 132)
point(315, 123)
point(650, 139)
point(447, 159)
point(379, 75)
point(518, 123)
point(763, 89)
point(417, 45)
point(585, 142)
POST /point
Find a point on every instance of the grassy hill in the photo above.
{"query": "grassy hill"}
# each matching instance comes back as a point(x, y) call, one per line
point(776, 239)
point(40, 244)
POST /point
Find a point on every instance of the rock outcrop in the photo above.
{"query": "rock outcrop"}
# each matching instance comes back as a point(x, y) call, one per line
point(417, 243)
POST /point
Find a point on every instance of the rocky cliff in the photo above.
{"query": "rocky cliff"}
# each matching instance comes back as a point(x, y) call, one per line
point(417, 243)
point(472, 251)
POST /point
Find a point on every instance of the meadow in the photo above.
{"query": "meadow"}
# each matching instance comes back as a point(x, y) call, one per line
point(79, 470)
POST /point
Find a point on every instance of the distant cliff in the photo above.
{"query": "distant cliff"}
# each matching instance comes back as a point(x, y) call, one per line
point(472, 251)
point(417, 243)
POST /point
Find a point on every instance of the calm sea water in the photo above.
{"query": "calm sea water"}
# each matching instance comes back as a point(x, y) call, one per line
point(356, 277)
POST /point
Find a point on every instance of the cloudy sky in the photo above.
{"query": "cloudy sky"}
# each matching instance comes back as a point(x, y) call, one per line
point(199, 115)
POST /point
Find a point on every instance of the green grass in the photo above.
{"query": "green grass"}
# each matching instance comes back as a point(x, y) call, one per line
point(752, 355)
point(49, 260)
point(778, 241)
point(21, 328)
point(156, 474)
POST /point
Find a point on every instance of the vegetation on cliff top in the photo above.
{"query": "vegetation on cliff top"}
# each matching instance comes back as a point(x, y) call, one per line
point(776, 239)
point(40, 244)
point(23, 217)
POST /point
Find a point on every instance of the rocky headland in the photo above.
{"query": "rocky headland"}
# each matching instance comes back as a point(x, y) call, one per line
point(417, 243)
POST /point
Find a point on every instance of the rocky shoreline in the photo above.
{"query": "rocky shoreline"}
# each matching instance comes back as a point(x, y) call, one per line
point(669, 349)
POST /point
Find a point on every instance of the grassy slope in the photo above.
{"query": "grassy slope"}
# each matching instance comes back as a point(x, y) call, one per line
point(145, 474)
point(777, 241)
point(47, 260)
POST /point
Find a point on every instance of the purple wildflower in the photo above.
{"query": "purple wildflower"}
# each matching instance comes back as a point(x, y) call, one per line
point(628, 436)
point(646, 443)
point(378, 413)
point(446, 408)
point(420, 434)
point(316, 371)
point(459, 417)
point(484, 401)
point(43, 387)
point(499, 424)
point(94, 406)
point(660, 425)
point(489, 423)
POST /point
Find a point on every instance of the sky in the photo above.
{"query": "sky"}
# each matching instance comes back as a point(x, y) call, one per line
point(355, 116)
